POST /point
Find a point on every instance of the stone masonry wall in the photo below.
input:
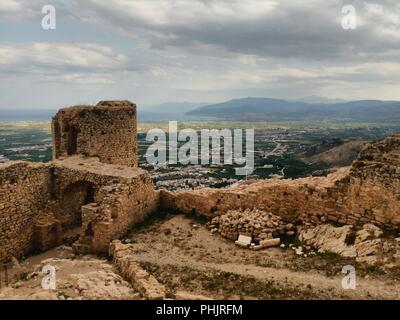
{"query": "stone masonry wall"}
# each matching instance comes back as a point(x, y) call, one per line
point(107, 131)
point(304, 199)
point(93, 184)
point(368, 191)
point(121, 206)
point(37, 203)
point(124, 260)
point(24, 191)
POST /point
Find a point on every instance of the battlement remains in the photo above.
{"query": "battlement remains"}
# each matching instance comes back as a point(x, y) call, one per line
point(107, 130)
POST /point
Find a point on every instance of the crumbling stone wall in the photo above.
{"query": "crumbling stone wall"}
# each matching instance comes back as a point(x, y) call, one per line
point(293, 200)
point(147, 285)
point(35, 209)
point(107, 131)
point(93, 183)
point(373, 191)
point(77, 181)
point(120, 206)
point(368, 191)
point(24, 191)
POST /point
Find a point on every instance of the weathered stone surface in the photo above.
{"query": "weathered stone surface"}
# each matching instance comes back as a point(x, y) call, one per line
point(257, 224)
point(107, 131)
point(104, 195)
point(24, 190)
point(365, 244)
point(270, 242)
point(330, 238)
point(141, 280)
point(93, 183)
point(366, 192)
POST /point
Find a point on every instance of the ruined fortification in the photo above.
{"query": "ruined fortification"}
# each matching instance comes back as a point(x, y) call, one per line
point(106, 131)
point(368, 191)
point(93, 193)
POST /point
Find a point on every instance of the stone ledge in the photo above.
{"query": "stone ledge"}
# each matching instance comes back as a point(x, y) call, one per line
point(141, 280)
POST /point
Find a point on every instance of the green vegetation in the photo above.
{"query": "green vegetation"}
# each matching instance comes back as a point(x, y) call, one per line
point(281, 148)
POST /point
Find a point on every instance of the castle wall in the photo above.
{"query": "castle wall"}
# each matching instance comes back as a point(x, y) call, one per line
point(40, 201)
point(93, 184)
point(121, 197)
point(311, 200)
point(107, 131)
point(121, 207)
point(368, 191)
point(24, 191)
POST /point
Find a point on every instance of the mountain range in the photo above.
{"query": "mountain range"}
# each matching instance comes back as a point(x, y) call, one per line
point(168, 111)
point(253, 109)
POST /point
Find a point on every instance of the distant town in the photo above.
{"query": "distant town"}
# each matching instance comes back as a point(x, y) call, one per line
point(281, 150)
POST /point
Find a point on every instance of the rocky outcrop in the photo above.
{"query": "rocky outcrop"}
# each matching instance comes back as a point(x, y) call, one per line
point(93, 183)
point(365, 244)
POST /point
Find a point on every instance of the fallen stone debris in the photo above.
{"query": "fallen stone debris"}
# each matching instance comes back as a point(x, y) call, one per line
point(258, 224)
point(255, 229)
point(141, 280)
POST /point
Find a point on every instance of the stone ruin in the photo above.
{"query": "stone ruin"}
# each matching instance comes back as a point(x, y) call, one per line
point(106, 131)
point(92, 192)
point(366, 192)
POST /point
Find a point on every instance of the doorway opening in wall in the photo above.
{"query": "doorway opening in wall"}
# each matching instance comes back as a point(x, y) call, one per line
point(75, 196)
point(72, 141)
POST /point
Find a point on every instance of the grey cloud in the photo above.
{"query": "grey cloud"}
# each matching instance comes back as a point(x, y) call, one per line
point(307, 31)
point(208, 52)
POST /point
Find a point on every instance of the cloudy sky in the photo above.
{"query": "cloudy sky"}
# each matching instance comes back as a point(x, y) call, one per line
point(153, 51)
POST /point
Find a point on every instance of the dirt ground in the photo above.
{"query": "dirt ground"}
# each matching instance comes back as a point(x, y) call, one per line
point(183, 255)
point(77, 278)
point(193, 263)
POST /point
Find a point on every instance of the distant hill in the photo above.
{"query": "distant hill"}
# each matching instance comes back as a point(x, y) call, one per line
point(318, 99)
point(278, 109)
point(339, 156)
point(167, 111)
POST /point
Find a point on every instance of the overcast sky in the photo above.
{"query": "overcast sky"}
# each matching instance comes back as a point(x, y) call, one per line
point(155, 51)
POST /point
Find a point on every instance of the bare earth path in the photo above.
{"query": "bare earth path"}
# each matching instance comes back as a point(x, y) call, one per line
point(191, 262)
point(180, 252)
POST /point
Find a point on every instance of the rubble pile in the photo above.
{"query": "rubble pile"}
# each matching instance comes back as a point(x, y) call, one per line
point(259, 225)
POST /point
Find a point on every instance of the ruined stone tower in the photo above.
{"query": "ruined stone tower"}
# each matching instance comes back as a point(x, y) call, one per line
point(92, 190)
point(107, 131)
